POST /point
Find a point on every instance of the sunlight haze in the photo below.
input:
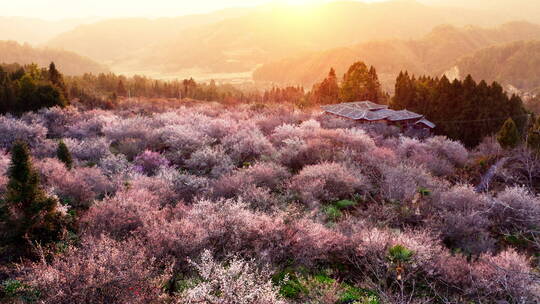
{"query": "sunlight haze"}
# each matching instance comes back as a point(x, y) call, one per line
point(65, 9)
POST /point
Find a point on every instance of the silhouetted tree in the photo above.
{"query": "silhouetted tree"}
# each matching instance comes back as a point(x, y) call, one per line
point(28, 215)
point(508, 136)
point(463, 110)
point(361, 83)
point(327, 92)
point(63, 154)
point(121, 89)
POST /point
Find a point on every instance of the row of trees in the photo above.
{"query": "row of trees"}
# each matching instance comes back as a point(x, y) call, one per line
point(110, 86)
point(464, 110)
point(359, 83)
point(30, 88)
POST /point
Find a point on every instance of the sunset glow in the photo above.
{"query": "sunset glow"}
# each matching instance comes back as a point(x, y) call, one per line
point(64, 9)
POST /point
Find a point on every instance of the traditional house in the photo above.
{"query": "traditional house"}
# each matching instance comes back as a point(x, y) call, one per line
point(369, 112)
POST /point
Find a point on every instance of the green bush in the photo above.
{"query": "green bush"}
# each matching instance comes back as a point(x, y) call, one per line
point(289, 284)
point(400, 254)
point(16, 290)
point(344, 204)
point(332, 212)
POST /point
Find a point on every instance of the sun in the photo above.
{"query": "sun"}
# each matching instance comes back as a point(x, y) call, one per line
point(303, 2)
point(311, 2)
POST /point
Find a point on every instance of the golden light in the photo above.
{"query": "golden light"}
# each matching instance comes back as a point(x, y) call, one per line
point(308, 2)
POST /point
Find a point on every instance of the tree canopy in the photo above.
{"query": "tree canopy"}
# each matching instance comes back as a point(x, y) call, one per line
point(463, 110)
point(29, 88)
point(361, 83)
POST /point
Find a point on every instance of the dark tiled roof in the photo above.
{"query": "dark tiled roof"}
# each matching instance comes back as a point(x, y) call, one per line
point(354, 106)
point(427, 123)
point(370, 111)
point(404, 115)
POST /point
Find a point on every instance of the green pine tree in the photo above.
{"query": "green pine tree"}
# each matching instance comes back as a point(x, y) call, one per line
point(63, 154)
point(508, 136)
point(327, 92)
point(361, 83)
point(533, 140)
point(29, 215)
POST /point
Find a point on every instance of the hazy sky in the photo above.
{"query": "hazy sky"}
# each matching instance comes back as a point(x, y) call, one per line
point(59, 9)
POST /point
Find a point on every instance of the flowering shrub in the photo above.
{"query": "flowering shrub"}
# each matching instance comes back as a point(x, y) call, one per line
point(180, 141)
point(132, 127)
point(5, 160)
point(269, 176)
point(91, 150)
point(210, 161)
point(100, 271)
point(326, 182)
point(192, 181)
point(57, 120)
point(438, 154)
point(91, 127)
point(238, 282)
point(401, 183)
point(506, 275)
point(149, 162)
point(13, 129)
point(185, 186)
point(120, 215)
point(247, 145)
point(309, 144)
point(78, 187)
point(515, 212)
point(113, 165)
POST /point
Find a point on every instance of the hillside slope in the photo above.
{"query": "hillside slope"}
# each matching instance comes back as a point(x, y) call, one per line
point(35, 31)
point(516, 9)
point(110, 40)
point(241, 43)
point(433, 54)
point(516, 64)
point(68, 62)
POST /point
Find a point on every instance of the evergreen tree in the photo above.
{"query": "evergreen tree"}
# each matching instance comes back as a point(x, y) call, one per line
point(361, 83)
point(463, 110)
point(29, 216)
point(508, 136)
point(533, 136)
point(63, 154)
point(327, 92)
point(56, 78)
point(121, 89)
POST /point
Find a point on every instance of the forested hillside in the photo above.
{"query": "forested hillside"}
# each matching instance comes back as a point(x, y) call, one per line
point(69, 62)
point(274, 32)
point(518, 10)
point(35, 31)
point(516, 64)
point(113, 39)
point(433, 54)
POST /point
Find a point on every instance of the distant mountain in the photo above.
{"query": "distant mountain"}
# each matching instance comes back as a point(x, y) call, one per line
point(433, 54)
point(516, 64)
point(111, 40)
point(35, 31)
point(515, 9)
point(240, 43)
point(68, 63)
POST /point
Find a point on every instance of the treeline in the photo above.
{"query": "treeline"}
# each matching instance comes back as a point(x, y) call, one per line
point(359, 83)
point(464, 110)
point(112, 86)
point(29, 88)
